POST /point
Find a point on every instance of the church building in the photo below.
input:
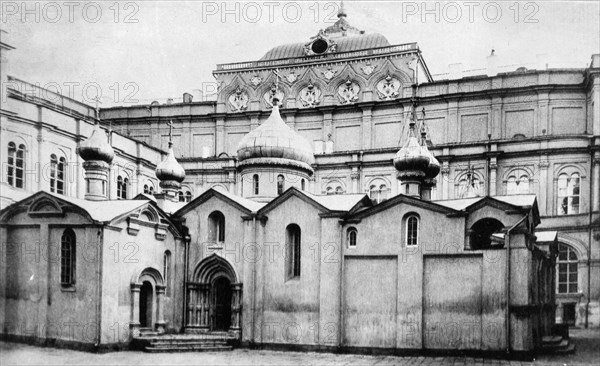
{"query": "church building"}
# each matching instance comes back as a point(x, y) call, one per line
point(287, 214)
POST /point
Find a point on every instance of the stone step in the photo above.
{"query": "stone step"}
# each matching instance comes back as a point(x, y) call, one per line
point(564, 347)
point(187, 343)
point(564, 343)
point(184, 348)
point(566, 351)
point(553, 339)
point(197, 338)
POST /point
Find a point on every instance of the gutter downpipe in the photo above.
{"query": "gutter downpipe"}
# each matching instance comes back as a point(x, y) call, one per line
point(589, 248)
point(186, 255)
point(507, 243)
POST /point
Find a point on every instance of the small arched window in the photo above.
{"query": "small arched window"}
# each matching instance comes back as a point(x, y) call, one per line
point(122, 183)
point(334, 187)
point(568, 194)
point(148, 188)
point(516, 185)
point(294, 249)
point(188, 196)
point(567, 265)
point(280, 184)
point(469, 190)
point(412, 230)
point(255, 184)
point(216, 227)
point(167, 271)
point(351, 237)
point(57, 174)
point(67, 258)
point(181, 196)
point(16, 165)
point(303, 184)
point(378, 192)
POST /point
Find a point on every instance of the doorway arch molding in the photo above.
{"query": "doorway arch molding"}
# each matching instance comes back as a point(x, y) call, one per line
point(155, 278)
point(200, 295)
point(212, 267)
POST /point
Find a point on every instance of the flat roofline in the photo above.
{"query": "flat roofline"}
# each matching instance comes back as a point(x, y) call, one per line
point(178, 104)
point(376, 51)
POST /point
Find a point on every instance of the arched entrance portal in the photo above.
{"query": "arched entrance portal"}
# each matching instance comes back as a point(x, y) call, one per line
point(221, 293)
point(147, 301)
point(146, 305)
point(214, 297)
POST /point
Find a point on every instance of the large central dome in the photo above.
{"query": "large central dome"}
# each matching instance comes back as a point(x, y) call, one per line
point(339, 37)
point(274, 143)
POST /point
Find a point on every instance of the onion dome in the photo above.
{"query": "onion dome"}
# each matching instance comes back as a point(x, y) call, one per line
point(96, 147)
point(169, 169)
point(275, 143)
point(434, 167)
point(412, 161)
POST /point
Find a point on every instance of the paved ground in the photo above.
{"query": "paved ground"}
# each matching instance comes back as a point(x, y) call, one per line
point(587, 341)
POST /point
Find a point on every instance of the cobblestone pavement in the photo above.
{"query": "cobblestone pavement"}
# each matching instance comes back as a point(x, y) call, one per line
point(587, 341)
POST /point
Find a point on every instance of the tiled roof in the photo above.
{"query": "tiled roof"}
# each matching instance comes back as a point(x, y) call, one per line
point(249, 204)
point(337, 202)
point(103, 211)
point(521, 200)
point(458, 204)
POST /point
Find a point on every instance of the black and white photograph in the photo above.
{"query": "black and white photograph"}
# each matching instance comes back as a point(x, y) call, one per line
point(306, 183)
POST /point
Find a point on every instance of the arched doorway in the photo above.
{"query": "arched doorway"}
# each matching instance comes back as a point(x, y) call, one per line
point(147, 301)
point(146, 309)
point(214, 297)
point(221, 293)
point(482, 234)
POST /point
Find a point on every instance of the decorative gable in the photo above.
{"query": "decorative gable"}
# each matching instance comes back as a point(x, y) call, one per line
point(45, 206)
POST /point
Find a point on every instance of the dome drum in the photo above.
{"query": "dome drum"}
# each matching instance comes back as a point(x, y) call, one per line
point(275, 162)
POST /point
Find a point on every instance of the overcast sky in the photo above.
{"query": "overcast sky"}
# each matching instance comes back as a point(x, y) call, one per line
point(152, 50)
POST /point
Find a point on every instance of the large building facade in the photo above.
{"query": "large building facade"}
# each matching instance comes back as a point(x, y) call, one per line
point(277, 214)
point(348, 92)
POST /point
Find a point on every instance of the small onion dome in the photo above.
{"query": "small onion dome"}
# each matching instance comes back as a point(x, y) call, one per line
point(275, 143)
point(169, 169)
point(96, 147)
point(412, 161)
point(433, 169)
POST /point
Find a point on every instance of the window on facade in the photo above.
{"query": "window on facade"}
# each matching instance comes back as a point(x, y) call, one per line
point(482, 232)
point(351, 237)
point(167, 271)
point(148, 189)
point(378, 192)
point(280, 184)
point(57, 174)
point(216, 227)
point(255, 183)
point(568, 194)
point(412, 230)
point(16, 165)
point(303, 184)
point(67, 258)
point(466, 191)
point(181, 196)
point(188, 196)
point(293, 238)
point(567, 263)
point(122, 184)
point(516, 185)
point(334, 187)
